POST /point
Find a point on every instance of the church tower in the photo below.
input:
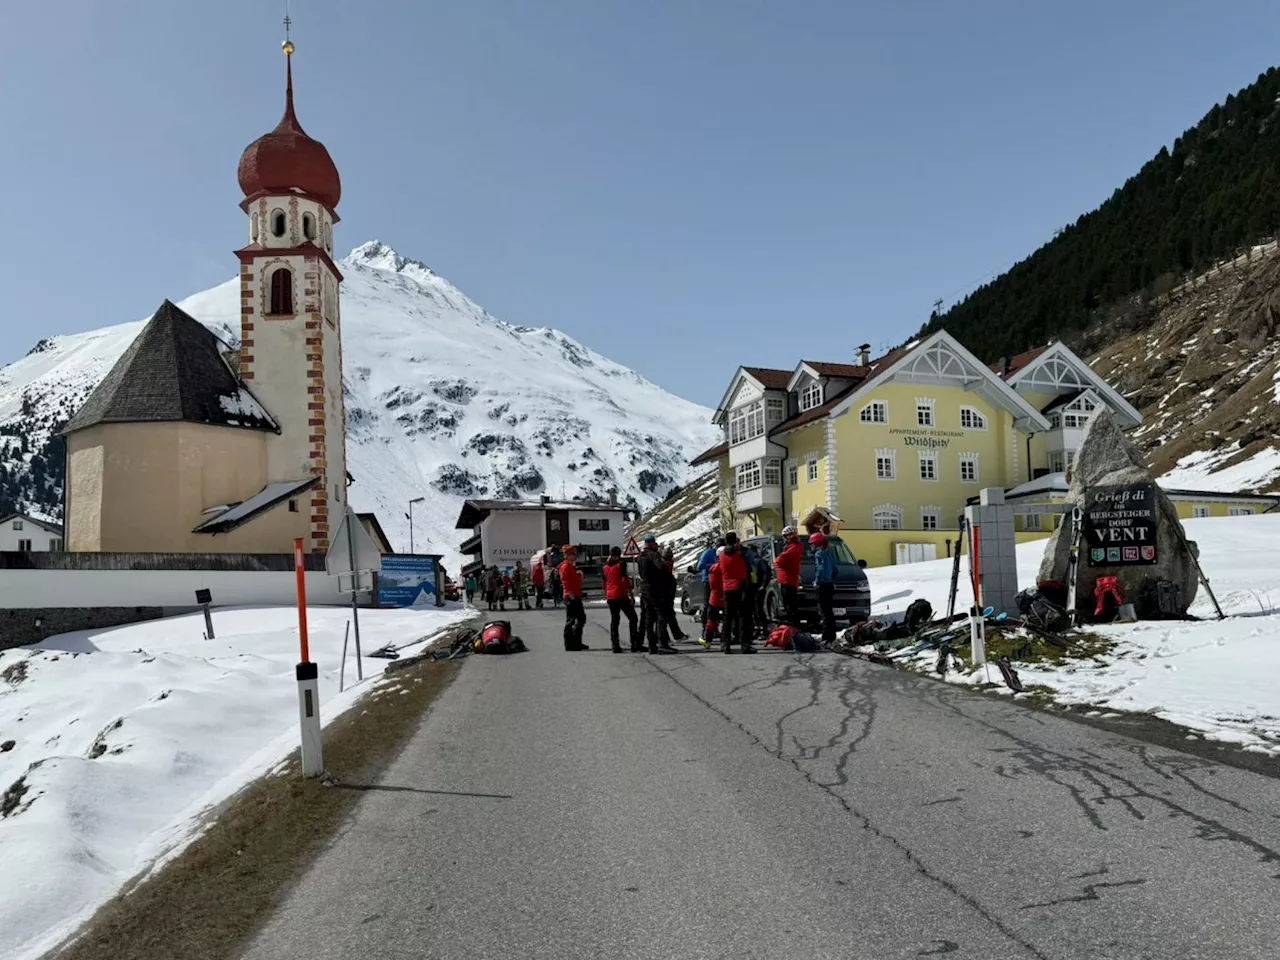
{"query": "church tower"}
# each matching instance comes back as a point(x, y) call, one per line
point(291, 333)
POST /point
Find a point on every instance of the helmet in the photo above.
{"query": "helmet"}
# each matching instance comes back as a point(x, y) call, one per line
point(650, 538)
point(789, 531)
point(817, 540)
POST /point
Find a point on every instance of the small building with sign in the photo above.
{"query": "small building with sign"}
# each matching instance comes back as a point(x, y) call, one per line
point(504, 531)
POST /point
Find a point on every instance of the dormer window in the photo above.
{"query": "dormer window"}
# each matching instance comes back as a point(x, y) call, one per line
point(811, 396)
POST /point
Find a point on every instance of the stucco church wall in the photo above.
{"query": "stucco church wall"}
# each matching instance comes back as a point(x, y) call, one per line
point(142, 487)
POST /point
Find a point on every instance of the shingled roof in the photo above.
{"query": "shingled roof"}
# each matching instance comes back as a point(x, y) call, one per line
point(173, 370)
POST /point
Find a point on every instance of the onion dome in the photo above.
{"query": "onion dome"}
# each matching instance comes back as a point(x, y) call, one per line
point(286, 160)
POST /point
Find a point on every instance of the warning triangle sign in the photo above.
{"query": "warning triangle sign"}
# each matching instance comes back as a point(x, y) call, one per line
point(631, 550)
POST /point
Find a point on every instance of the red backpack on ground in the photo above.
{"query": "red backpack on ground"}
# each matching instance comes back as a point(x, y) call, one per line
point(782, 637)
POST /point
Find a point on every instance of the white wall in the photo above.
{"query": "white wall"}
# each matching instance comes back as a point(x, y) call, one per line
point(598, 537)
point(160, 588)
point(510, 535)
point(41, 539)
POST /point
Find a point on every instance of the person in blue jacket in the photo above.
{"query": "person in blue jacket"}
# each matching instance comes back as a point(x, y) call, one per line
point(824, 580)
point(706, 561)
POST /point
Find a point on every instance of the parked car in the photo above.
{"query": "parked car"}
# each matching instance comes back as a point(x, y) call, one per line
point(852, 594)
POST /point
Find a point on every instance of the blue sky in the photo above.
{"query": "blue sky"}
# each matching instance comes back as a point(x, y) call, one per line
point(683, 185)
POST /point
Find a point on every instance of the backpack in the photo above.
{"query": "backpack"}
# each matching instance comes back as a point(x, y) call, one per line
point(781, 637)
point(1160, 600)
point(1040, 611)
point(919, 612)
point(494, 638)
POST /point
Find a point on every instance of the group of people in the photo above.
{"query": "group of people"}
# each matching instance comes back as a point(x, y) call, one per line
point(498, 587)
point(735, 574)
point(735, 577)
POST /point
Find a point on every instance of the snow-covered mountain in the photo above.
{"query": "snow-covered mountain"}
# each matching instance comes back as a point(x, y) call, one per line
point(444, 401)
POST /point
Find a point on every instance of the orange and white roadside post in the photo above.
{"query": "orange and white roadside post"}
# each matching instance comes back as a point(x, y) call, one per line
point(308, 679)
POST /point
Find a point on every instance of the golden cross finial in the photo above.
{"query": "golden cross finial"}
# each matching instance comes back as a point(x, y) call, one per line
point(287, 46)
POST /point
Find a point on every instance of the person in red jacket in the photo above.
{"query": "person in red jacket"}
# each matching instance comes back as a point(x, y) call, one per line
point(788, 567)
point(734, 570)
point(538, 577)
point(617, 593)
point(575, 617)
point(715, 602)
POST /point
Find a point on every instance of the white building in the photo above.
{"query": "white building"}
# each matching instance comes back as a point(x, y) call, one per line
point(504, 531)
point(23, 533)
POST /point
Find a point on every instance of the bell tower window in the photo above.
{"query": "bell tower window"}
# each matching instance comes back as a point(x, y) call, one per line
point(282, 291)
point(308, 226)
point(253, 236)
point(277, 223)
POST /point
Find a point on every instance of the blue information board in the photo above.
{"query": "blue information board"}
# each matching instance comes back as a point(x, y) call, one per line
point(407, 581)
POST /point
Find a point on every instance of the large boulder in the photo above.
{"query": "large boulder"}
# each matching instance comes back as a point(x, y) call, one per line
point(1107, 459)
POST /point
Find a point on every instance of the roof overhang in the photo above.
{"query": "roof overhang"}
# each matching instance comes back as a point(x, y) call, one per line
point(802, 370)
point(1045, 370)
point(259, 194)
point(723, 406)
point(942, 360)
point(272, 495)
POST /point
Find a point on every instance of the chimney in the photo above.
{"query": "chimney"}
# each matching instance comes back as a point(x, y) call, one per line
point(544, 499)
point(864, 355)
point(1006, 367)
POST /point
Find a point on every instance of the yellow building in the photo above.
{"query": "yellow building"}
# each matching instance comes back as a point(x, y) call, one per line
point(889, 451)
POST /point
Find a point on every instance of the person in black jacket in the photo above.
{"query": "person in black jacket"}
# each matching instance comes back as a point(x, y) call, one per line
point(657, 584)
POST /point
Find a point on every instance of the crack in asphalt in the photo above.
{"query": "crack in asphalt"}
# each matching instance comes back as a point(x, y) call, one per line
point(1045, 762)
point(864, 820)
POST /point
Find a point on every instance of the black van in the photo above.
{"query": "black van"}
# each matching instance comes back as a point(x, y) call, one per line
point(852, 595)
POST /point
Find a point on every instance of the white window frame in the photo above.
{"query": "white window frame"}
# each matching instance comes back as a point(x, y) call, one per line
point(1244, 511)
point(1057, 463)
point(887, 464)
point(928, 459)
point(811, 468)
point(17, 524)
point(925, 412)
point(811, 395)
point(1031, 522)
point(24, 546)
point(1055, 421)
point(775, 410)
point(877, 411)
point(977, 419)
point(747, 476)
point(773, 472)
point(793, 474)
point(1199, 511)
point(737, 426)
point(755, 419)
point(930, 518)
point(887, 516)
point(970, 460)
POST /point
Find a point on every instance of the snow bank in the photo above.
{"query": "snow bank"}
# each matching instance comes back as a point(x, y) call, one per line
point(124, 736)
point(1215, 677)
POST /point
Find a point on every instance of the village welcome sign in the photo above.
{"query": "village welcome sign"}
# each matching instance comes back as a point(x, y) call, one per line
point(1120, 525)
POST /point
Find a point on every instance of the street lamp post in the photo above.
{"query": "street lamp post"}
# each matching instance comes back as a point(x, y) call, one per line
point(410, 516)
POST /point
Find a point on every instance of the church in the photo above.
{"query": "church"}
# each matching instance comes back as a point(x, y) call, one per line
point(192, 446)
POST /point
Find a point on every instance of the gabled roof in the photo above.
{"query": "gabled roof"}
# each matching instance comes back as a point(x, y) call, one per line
point(819, 370)
point(1063, 400)
point(173, 370)
point(1017, 363)
point(817, 413)
point(766, 378)
point(1062, 371)
point(374, 528)
point(42, 524)
point(711, 453)
point(936, 357)
point(269, 496)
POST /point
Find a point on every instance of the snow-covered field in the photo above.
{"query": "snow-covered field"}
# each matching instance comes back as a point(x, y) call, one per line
point(123, 737)
point(1215, 677)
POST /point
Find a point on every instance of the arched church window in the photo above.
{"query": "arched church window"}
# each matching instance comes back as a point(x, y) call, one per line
point(308, 226)
point(277, 223)
point(282, 291)
point(253, 236)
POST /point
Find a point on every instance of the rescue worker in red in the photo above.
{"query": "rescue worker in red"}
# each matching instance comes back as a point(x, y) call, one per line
point(715, 603)
point(538, 577)
point(617, 592)
point(575, 617)
point(737, 618)
point(788, 567)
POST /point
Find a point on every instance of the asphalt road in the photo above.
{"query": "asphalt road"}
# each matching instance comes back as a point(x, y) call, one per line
point(557, 805)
